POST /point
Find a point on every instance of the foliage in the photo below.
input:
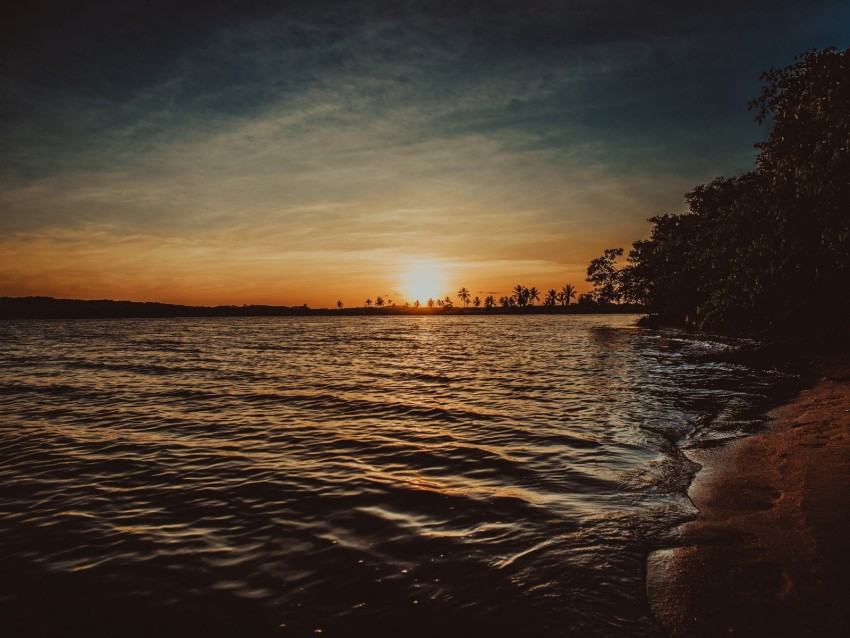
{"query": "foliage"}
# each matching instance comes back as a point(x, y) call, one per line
point(767, 252)
point(605, 277)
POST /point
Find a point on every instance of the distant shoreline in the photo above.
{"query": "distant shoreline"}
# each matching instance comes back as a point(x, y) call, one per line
point(51, 308)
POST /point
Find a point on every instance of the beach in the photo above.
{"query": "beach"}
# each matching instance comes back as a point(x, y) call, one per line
point(768, 554)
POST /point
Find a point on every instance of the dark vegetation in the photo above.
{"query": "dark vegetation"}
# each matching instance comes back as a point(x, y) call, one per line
point(50, 308)
point(767, 253)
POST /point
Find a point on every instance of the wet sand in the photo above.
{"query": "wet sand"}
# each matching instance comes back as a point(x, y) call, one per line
point(769, 554)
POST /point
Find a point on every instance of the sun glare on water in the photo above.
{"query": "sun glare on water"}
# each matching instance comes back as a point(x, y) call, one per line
point(423, 280)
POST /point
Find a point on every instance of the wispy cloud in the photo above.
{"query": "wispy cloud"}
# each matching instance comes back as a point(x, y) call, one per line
point(335, 140)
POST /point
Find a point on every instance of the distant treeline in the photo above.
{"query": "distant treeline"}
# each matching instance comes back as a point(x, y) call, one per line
point(50, 308)
point(766, 253)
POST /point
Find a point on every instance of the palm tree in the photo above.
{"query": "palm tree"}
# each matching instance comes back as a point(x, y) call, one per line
point(447, 302)
point(439, 303)
point(551, 298)
point(463, 295)
point(416, 304)
point(567, 292)
point(533, 295)
point(476, 302)
point(490, 302)
point(339, 305)
point(520, 295)
point(368, 303)
point(430, 302)
point(379, 302)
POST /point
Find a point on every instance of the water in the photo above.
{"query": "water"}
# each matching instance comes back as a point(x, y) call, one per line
point(372, 476)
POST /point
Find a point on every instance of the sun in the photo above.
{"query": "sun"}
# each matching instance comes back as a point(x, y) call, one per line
point(422, 280)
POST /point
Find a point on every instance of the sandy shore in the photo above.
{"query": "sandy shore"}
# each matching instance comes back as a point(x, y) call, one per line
point(769, 554)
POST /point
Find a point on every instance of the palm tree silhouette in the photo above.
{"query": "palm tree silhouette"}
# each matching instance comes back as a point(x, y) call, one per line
point(551, 298)
point(416, 304)
point(567, 292)
point(533, 295)
point(463, 295)
point(520, 295)
point(339, 305)
point(476, 302)
point(490, 302)
point(447, 302)
point(430, 302)
point(379, 302)
point(368, 303)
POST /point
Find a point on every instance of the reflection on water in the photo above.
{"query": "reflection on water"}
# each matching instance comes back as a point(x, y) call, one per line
point(382, 476)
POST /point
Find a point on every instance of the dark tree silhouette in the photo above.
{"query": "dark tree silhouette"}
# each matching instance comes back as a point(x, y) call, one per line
point(463, 295)
point(729, 262)
point(520, 295)
point(605, 277)
point(567, 293)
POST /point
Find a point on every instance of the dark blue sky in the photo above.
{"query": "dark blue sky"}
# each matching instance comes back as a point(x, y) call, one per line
point(173, 141)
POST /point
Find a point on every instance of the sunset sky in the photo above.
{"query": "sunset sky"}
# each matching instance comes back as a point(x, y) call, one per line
point(304, 152)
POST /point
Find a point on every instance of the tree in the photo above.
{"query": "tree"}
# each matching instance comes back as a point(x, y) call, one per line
point(520, 295)
point(533, 295)
point(476, 302)
point(729, 262)
point(567, 292)
point(807, 161)
point(339, 305)
point(430, 302)
point(603, 274)
point(463, 295)
point(368, 303)
point(447, 302)
point(490, 302)
point(416, 304)
point(551, 298)
point(379, 302)
point(586, 299)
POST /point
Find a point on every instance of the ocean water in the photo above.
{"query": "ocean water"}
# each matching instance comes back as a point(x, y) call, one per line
point(350, 476)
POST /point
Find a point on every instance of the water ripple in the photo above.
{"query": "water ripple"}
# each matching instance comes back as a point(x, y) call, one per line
point(376, 476)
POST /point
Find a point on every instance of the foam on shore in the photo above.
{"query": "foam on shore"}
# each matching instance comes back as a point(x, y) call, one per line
point(769, 554)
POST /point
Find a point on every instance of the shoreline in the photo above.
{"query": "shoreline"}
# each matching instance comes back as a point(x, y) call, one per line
point(769, 553)
point(36, 308)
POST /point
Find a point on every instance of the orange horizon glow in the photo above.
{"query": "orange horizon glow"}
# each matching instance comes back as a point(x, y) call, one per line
point(94, 263)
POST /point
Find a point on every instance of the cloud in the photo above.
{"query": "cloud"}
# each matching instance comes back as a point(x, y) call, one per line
point(326, 137)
